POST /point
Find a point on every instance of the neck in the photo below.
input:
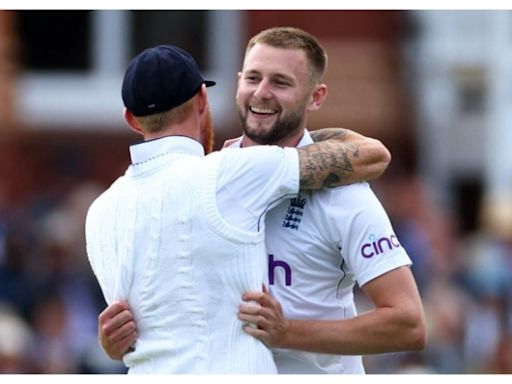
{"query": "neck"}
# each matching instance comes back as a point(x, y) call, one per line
point(188, 128)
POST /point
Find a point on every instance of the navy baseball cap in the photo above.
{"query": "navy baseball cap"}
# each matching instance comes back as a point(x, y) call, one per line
point(160, 78)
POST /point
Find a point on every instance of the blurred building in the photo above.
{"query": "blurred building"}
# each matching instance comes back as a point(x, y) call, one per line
point(65, 99)
point(433, 85)
point(459, 68)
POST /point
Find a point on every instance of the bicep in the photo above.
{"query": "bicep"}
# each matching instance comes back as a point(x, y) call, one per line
point(396, 288)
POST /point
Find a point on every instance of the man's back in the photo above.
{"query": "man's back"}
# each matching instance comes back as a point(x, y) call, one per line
point(157, 239)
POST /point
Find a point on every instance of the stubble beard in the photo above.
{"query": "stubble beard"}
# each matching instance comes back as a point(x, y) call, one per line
point(284, 127)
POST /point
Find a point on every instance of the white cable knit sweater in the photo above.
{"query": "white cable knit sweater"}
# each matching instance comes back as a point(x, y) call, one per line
point(180, 265)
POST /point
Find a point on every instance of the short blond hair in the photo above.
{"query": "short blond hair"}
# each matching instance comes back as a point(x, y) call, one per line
point(158, 122)
point(294, 38)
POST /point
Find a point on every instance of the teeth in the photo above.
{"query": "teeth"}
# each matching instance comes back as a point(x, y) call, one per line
point(265, 111)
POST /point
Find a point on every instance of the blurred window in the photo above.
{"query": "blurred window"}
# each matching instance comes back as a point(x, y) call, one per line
point(471, 88)
point(472, 98)
point(73, 61)
point(185, 29)
point(55, 40)
point(61, 40)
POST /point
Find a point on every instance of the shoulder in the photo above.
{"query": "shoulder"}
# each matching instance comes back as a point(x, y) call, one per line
point(350, 204)
point(262, 153)
point(105, 198)
point(355, 189)
point(267, 171)
point(258, 159)
point(354, 195)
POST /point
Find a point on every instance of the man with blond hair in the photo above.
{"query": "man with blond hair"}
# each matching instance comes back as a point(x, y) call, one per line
point(319, 243)
point(180, 236)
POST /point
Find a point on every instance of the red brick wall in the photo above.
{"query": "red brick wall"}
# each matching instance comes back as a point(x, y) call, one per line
point(341, 24)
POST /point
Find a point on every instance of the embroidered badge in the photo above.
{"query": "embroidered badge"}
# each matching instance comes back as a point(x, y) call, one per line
point(294, 213)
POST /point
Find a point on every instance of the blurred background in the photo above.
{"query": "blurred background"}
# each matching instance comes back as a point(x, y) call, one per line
point(434, 86)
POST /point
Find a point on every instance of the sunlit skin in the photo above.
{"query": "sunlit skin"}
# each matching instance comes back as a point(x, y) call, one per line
point(275, 92)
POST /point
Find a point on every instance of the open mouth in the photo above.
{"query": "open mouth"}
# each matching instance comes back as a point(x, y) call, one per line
point(262, 111)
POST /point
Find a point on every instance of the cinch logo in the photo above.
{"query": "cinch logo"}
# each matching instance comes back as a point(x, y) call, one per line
point(379, 246)
point(273, 264)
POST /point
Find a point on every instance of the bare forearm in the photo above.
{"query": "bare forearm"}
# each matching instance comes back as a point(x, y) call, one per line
point(378, 331)
point(339, 157)
point(397, 323)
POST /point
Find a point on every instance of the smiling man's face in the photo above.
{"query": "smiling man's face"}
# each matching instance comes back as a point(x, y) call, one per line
point(274, 91)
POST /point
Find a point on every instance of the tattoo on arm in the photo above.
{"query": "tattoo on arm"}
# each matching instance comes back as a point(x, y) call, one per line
point(328, 162)
point(323, 165)
point(341, 134)
point(328, 133)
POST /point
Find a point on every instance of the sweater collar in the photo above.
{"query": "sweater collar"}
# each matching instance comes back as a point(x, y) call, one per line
point(169, 144)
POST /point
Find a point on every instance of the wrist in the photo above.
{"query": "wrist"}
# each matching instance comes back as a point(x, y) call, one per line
point(287, 334)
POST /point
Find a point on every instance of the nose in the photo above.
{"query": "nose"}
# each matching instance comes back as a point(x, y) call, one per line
point(262, 91)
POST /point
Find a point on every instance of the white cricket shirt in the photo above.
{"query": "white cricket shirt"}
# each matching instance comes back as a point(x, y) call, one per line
point(157, 238)
point(320, 244)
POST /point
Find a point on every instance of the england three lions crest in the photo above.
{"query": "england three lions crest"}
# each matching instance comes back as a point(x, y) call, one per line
point(294, 213)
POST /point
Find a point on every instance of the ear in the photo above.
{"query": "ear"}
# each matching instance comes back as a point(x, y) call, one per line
point(132, 121)
point(203, 99)
point(238, 79)
point(318, 97)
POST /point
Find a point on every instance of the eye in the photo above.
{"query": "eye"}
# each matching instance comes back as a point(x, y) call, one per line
point(251, 78)
point(281, 83)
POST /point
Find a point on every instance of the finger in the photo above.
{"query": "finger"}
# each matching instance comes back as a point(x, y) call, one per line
point(118, 321)
point(264, 299)
point(116, 307)
point(250, 309)
point(250, 319)
point(257, 312)
point(117, 350)
point(125, 344)
point(252, 295)
point(122, 332)
point(113, 309)
point(264, 288)
point(255, 332)
point(258, 321)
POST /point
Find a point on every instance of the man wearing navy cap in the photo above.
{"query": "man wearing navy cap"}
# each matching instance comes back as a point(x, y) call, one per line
point(180, 236)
